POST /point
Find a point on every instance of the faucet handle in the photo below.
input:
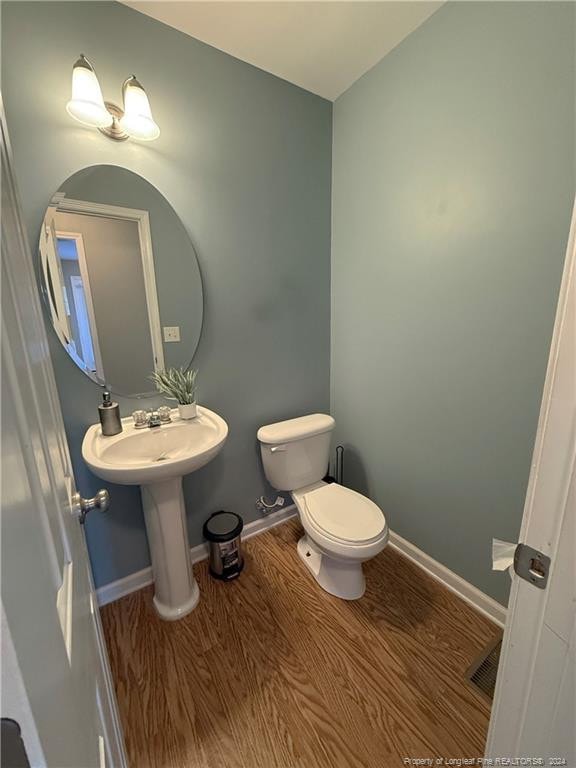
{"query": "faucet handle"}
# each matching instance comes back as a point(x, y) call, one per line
point(165, 414)
point(140, 419)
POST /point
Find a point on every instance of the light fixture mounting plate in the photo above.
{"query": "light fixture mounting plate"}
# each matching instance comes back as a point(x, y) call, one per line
point(114, 131)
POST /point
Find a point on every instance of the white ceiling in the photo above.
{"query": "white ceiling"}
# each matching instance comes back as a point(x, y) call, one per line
point(320, 46)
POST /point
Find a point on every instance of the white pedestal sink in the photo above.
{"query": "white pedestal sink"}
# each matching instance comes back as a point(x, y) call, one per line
point(156, 458)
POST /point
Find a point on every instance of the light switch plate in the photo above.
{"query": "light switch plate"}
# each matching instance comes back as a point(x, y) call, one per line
point(171, 333)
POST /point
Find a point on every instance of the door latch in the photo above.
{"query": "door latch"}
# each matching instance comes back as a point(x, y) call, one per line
point(531, 565)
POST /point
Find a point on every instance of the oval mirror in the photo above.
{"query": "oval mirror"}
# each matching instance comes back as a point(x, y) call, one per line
point(120, 278)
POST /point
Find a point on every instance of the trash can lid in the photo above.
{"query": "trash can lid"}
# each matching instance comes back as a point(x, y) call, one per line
point(223, 526)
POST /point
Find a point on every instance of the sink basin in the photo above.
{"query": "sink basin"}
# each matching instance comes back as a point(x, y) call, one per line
point(156, 459)
point(138, 456)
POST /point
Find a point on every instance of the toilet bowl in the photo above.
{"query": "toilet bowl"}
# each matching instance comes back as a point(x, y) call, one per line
point(342, 528)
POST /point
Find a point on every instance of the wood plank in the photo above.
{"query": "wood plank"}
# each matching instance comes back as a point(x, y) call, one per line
point(270, 671)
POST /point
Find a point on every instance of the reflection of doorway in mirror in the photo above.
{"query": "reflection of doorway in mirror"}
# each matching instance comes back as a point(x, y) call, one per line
point(113, 302)
point(83, 345)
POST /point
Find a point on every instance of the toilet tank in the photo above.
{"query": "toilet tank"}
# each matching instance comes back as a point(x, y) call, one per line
point(295, 453)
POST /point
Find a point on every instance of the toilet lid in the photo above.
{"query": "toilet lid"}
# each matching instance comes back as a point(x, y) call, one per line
point(344, 514)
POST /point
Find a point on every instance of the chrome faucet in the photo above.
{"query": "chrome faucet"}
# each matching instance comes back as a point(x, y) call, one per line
point(155, 417)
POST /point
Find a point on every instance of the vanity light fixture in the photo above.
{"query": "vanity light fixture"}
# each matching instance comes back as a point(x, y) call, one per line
point(87, 105)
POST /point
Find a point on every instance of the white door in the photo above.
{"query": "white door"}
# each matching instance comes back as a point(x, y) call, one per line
point(534, 712)
point(55, 675)
point(54, 282)
point(85, 332)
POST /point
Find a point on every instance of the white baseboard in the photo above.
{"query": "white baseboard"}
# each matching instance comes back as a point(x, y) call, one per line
point(469, 593)
point(109, 593)
point(135, 581)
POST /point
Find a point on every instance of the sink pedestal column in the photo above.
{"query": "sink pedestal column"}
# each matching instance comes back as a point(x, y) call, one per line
point(176, 592)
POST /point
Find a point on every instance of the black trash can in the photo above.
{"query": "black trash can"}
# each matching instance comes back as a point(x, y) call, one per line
point(222, 530)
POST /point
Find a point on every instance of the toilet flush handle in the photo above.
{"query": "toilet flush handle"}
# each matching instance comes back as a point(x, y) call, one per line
point(276, 448)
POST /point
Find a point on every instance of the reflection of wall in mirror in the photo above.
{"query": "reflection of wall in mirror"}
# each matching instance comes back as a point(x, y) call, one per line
point(114, 265)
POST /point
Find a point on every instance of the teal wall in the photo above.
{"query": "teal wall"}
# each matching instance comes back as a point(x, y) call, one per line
point(453, 180)
point(452, 184)
point(244, 159)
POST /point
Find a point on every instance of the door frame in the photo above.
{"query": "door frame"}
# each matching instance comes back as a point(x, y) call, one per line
point(541, 525)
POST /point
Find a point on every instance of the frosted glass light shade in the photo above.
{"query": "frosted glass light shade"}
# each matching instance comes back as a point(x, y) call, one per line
point(87, 104)
point(137, 120)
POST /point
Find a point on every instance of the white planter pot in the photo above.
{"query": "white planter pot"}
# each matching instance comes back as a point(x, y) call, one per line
point(188, 411)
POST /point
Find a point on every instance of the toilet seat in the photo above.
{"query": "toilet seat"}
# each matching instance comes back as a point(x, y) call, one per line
point(342, 530)
point(343, 515)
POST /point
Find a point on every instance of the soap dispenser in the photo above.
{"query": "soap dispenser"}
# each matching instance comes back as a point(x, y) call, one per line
point(109, 413)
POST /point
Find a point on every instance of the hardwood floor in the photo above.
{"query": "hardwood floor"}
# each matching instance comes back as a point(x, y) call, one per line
point(269, 671)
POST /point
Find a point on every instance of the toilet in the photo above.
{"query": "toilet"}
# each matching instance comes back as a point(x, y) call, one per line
point(342, 528)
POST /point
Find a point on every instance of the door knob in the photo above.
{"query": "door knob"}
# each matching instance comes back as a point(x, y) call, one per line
point(101, 502)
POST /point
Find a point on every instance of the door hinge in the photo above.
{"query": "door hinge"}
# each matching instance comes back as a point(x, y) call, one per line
point(532, 565)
